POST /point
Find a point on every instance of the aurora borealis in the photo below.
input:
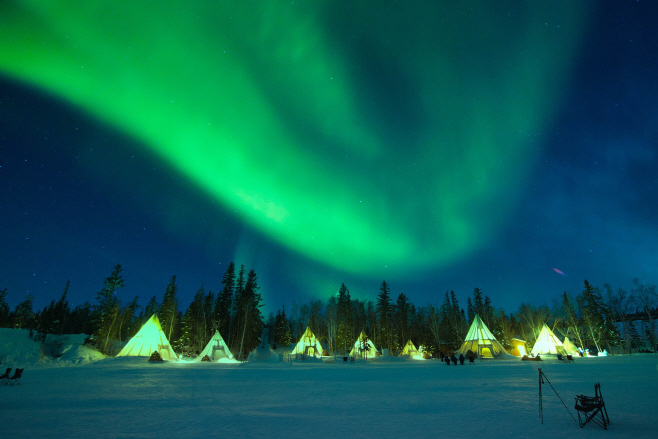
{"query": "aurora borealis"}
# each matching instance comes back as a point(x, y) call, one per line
point(319, 142)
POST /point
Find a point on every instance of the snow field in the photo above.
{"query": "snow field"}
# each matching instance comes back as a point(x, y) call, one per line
point(129, 397)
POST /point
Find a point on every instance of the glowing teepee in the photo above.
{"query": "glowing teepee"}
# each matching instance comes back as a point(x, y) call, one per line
point(308, 345)
point(410, 350)
point(216, 349)
point(547, 343)
point(570, 347)
point(364, 348)
point(150, 338)
point(481, 341)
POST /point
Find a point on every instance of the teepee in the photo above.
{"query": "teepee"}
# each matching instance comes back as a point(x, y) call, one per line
point(570, 347)
point(410, 350)
point(364, 348)
point(308, 345)
point(547, 343)
point(150, 338)
point(216, 349)
point(481, 341)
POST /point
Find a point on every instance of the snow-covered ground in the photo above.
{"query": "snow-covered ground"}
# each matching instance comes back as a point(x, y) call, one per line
point(129, 397)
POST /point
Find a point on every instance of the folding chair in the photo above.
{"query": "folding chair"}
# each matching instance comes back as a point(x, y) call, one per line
point(561, 359)
point(592, 408)
point(4, 377)
point(16, 379)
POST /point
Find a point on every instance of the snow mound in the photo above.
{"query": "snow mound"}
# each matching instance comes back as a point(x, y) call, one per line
point(18, 349)
point(264, 355)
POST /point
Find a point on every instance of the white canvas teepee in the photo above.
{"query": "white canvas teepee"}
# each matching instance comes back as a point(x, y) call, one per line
point(364, 348)
point(149, 339)
point(547, 343)
point(410, 350)
point(216, 349)
point(308, 345)
point(569, 347)
point(481, 341)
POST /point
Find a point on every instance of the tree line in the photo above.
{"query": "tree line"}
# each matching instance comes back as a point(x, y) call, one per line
point(607, 318)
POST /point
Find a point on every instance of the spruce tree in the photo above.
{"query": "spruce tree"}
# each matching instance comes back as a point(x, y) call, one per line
point(169, 310)
point(384, 310)
point(4, 309)
point(61, 312)
point(403, 316)
point(81, 321)
point(345, 331)
point(153, 307)
point(488, 312)
point(470, 310)
point(184, 342)
point(478, 304)
point(647, 300)
point(331, 315)
point(209, 315)
point(127, 327)
point(249, 319)
point(107, 312)
point(234, 334)
point(597, 319)
point(282, 336)
point(571, 319)
point(224, 302)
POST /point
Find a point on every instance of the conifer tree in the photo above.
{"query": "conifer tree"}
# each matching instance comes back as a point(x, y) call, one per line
point(107, 312)
point(331, 316)
point(61, 312)
point(234, 335)
point(169, 310)
point(434, 322)
point(647, 299)
point(345, 331)
point(636, 339)
point(458, 319)
point(153, 307)
point(282, 336)
point(225, 301)
point(184, 343)
point(384, 311)
point(359, 318)
point(249, 321)
point(209, 314)
point(619, 305)
point(403, 315)
point(81, 321)
point(596, 318)
point(488, 312)
point(470, 310)
point(478, 304)
point(193, 330)
point(4, 309)
point(371, 325)
point(568, 310)
point(53, 318)
point(127, 322)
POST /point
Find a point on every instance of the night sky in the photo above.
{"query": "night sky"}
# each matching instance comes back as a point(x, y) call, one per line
point(509, 146)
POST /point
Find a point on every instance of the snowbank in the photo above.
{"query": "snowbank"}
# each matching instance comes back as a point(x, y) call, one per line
point(17, 349)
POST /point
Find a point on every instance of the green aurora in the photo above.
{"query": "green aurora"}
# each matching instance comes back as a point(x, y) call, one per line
point(359, 134)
